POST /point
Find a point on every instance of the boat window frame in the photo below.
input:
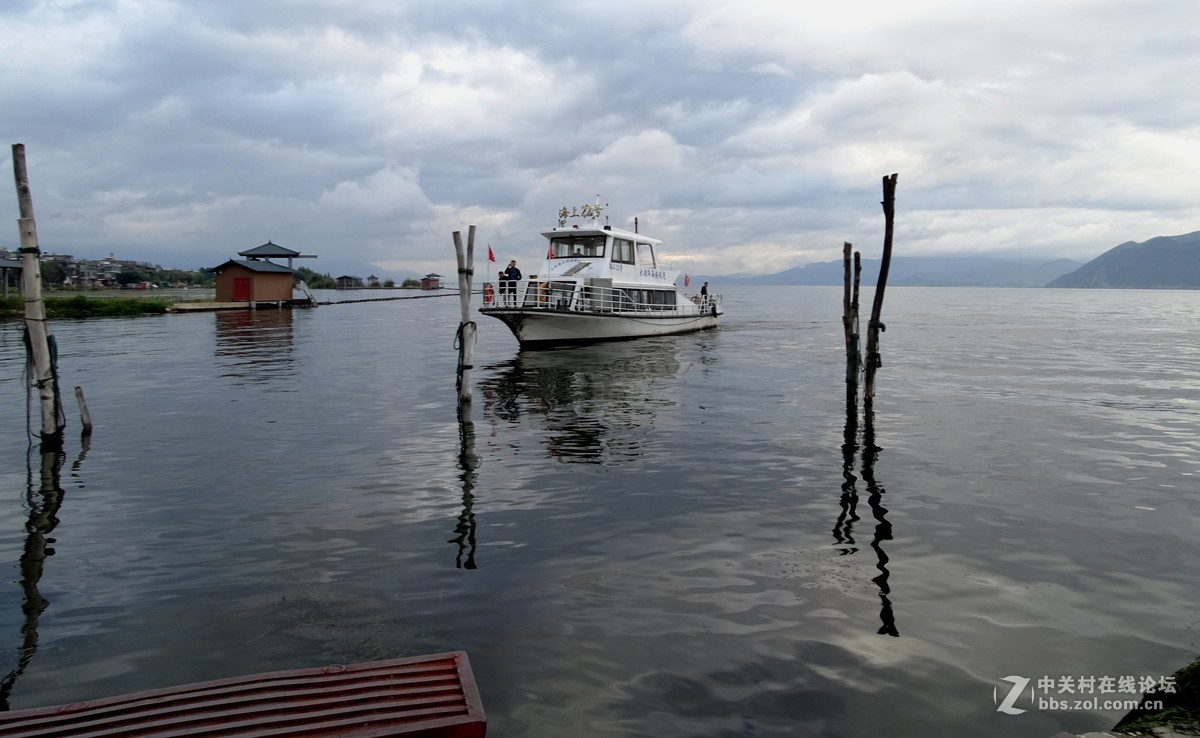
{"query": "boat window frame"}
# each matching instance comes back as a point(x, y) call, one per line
point(623, 251)
point(562, 246)
point(646, 299)
point(645, 255)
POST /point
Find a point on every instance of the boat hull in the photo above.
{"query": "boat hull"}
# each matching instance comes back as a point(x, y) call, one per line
point(539, 327)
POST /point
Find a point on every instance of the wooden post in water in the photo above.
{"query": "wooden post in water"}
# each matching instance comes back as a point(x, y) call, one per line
point(874, 360)
point(850, 320)
point(35, 308)
point(85, 417)
point(465, 340)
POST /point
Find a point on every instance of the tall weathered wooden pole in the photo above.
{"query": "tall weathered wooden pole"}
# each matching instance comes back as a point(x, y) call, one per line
point(465, 339)
point(874, 361)
point(35, 308)
point(850, 319)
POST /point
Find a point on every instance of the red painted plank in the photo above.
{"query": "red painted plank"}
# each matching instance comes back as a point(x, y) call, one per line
point(430, 696)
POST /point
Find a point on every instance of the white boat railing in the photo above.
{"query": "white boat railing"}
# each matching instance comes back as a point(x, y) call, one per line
point(569, 297)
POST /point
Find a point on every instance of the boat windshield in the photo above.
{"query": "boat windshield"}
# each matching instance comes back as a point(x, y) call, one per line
point(563, 247)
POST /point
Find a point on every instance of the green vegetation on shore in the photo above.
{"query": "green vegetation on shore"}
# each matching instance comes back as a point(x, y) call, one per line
point(314, 280)
point(79, 306)
point(1180, 710)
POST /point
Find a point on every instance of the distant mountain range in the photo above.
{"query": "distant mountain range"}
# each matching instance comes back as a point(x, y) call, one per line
point(922, 271)
point(1165, 262)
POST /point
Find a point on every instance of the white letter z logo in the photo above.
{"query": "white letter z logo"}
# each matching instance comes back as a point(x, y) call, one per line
point(1018, 685)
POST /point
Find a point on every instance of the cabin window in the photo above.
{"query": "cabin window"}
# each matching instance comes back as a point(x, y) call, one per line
point(565, 247)
point(645, 255)
point(623, 251)
point(647, 299)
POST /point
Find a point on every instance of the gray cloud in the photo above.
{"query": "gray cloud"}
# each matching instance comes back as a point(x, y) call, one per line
point(752, 136)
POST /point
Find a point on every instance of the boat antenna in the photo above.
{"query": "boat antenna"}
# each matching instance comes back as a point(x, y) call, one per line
point(635, 230)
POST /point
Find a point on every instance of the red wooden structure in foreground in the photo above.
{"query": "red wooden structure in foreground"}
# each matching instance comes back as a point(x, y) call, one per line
point(432, 696)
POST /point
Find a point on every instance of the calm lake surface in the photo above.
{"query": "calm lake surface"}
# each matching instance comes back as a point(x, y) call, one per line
point(650, 538)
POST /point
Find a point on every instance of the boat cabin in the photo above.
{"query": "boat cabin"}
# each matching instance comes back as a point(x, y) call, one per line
point(584, 245)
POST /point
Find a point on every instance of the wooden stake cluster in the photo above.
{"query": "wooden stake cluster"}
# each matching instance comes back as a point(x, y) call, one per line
point(843, 531)
point(850, 307)
point(35, 308)
point(465, 340)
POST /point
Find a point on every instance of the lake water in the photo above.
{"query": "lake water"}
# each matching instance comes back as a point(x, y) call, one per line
point(650, 538)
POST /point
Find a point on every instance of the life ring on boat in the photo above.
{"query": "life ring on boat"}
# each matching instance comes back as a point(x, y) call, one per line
point(696, 299)
point(489, 292)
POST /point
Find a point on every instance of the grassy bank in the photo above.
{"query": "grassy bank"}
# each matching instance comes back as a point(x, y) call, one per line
point(79, 306)
point(1180, 710)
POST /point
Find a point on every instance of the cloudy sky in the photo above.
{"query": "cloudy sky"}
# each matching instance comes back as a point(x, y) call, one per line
point(752, 136)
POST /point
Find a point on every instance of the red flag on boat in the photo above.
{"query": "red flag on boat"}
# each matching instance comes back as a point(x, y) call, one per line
point(686, 280)
point(550, 252)
point(491, 256)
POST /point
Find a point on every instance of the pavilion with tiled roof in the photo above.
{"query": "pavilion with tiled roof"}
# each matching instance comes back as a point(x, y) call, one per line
point(270, 250)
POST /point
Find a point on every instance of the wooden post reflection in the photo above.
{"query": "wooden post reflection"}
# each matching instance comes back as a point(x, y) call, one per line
point(468, 462)
point(843, 530)
point(43, 517)
point(883, 529)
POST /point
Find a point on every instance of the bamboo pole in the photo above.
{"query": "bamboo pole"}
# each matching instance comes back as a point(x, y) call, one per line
point(874, 360)
point(465, 339)
point(35, 308)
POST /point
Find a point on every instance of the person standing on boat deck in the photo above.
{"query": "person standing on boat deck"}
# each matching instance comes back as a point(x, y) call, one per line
point(514, 275)
point(502, 286)
point(704, 293)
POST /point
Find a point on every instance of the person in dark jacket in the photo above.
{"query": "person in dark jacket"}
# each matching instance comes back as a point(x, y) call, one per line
point(509, 287)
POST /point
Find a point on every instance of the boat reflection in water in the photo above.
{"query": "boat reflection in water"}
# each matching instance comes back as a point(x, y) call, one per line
point(598, 402)
point(255, 346)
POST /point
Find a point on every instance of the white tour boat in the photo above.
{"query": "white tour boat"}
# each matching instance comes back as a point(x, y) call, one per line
point(597, 283)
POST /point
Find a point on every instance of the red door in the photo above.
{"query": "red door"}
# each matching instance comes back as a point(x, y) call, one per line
point(241, 289)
